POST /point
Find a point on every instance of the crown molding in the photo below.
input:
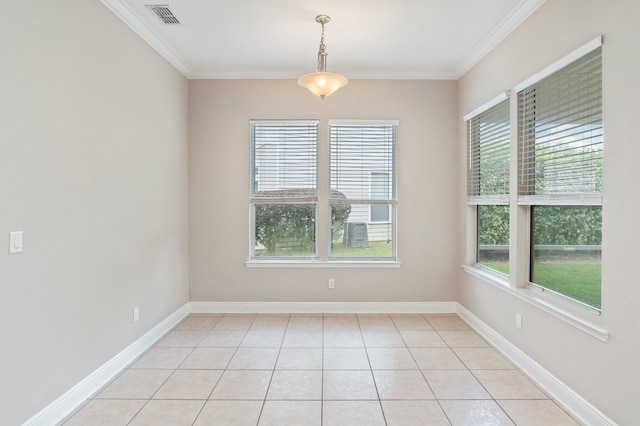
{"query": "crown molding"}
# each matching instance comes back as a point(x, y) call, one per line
point(293, 74)
point(129, 17)
point(510, 23)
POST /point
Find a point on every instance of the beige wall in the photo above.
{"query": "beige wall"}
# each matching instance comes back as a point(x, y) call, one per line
point(93, 168)
point(219, 114)
point(93, 157)
point(606, 374)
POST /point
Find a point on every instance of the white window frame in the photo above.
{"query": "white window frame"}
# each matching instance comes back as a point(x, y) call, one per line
point(310, 197)
point(321, 259)
point(570, 183)
point(497, 196)
point(391, 200)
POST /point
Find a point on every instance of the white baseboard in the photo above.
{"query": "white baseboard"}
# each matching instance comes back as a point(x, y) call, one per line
point(323, 307)
point(563, 394)
point(65, 404)
point(74, 397)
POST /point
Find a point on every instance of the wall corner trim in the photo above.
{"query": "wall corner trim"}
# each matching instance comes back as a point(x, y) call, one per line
point(563, 394)
point(74, 397)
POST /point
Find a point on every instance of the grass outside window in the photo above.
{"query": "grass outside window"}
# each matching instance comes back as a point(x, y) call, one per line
point(579, 280)
point(376, 249)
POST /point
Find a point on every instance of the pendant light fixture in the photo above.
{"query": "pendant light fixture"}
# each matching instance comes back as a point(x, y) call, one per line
point(321, 82)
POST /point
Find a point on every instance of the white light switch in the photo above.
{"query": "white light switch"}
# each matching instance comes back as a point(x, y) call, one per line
point(15, 242)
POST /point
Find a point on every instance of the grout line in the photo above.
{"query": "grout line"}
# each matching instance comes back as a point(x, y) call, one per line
point(273, 371)
point(138, 412)
point(322, 375)
point(373, 377)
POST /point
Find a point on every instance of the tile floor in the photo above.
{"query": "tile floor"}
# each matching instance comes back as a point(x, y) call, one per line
point(329, 369)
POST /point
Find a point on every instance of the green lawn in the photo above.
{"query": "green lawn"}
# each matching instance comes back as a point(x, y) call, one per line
point(498, 266)
point(375, 249)
point(578, 280)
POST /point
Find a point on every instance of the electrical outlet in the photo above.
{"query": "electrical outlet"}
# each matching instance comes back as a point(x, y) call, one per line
point(519, 321)
point(136, 314)
point(332, 283)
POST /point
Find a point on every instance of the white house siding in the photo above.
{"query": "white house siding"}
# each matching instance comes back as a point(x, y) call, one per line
point(377, 231)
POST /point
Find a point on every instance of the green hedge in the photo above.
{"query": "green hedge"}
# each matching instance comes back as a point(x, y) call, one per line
point(553, 225)
point(294, 223)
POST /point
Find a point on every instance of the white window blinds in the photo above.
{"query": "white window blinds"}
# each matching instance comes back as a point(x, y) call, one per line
point(358, 151)
point(560, 136)
point(488, 149)
point(284, 160)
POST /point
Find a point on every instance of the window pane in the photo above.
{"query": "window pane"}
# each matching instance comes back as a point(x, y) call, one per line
point(493, 237)
point(285, 230)
point(567, 251)
point(379, 213)
point(380, 188)
point(352, 236)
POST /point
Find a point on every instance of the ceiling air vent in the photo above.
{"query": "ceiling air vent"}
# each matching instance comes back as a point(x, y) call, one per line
point(164, 13)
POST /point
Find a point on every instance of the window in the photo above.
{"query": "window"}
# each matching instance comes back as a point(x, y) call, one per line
point(488, 140)
point(380, 191)
point(362, 183)
point(284, 192)
point(560, 143)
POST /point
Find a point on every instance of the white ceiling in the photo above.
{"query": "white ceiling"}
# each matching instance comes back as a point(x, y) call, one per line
point(404, 39)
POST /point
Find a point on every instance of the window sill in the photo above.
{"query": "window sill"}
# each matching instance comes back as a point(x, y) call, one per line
point(582, 318)
point(323, 264)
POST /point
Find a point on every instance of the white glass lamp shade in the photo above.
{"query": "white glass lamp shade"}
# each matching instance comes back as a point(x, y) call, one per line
point(322, 83)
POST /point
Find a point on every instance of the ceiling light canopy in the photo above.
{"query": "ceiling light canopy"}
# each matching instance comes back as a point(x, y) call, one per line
point(321, 82)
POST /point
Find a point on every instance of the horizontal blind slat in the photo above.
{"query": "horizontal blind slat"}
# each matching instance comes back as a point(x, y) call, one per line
point(488, 139)
point(560, 134)
point(363, 161)
point(284, 159)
